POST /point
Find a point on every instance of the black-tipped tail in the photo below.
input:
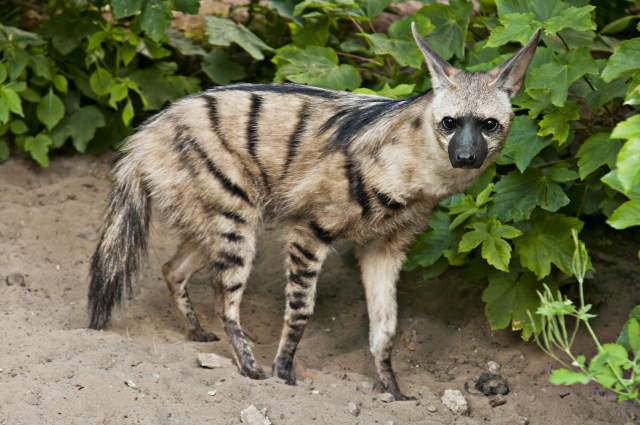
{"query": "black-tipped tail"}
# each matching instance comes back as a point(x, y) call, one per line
point(122, 244)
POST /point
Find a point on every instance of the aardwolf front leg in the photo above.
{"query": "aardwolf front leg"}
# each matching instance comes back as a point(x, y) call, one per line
point(380, 262)
point(304, 259)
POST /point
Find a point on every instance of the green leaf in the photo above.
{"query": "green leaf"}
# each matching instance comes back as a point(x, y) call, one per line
point(507, 299)
point(373, 8)
point(17, 63)
point(317, 66)
point(611, 179)
point(568, 377)
point(184, 45)
point(405, 52)
point(187, 6)
point(429, 246)
point(123, 8)
point(627, 129)
point(628, 164)
point(159, 87)
point(38, 147)
point(523, 143)
point(399, 91)
point(515, 27)
point(156, 18)
point(219, 66)
point(117, 92)
point(3, 72)
point(18, 127)
point(315, 32)
point(625, 338)
point(556, 122)
point(597, 151)
point(60, 83)
point(81, 126)
point(67, 30)
point(491, 234)
point(626, 215)
point(625, 59)
point(41, 65)
point(451, 22)
point(100, 81)
point(548, 242)
point(127, 113)
point(576, 18)
point(11, 99)
point(50, 111)
point(223, 32)
point(518, 194)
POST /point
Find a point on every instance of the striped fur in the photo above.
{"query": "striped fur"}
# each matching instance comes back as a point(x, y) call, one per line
point(328, 165)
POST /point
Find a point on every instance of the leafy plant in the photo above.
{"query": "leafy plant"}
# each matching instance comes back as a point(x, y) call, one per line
point(615, 366)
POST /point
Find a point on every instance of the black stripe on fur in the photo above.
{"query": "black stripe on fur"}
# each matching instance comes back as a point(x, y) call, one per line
point(252, 134)
point(296, 136)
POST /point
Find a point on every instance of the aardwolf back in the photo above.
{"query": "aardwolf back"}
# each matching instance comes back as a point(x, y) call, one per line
point(327, 165)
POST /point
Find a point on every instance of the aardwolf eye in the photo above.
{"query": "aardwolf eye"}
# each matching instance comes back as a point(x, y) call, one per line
point(490, 125)
point(448, 123)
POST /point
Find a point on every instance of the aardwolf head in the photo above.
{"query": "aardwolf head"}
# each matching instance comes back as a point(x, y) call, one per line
point(470, 114)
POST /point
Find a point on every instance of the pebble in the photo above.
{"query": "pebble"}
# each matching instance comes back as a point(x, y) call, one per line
point(354, 409)
point(15, 279)
point(385, 397)
point(454, 400)
point(252, 416)
point(366, 386)
point(490, 384)
point(212, 393)
point(213, 361)
point(389, 423)
point(493, 367)
point(431, 408)
point(129, 383)
point(524, 420)
point(497, 401)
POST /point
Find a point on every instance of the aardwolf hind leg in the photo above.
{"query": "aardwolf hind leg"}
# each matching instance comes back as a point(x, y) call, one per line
point(380, 263)
point(187, 260)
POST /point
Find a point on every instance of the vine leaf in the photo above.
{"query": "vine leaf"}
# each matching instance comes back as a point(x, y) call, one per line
point(223, 32)
point(548, 242)
point(317, 66)
point(491, 234)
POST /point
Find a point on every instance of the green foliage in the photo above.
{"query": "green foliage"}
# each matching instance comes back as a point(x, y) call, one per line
point(615, 366)
point(80, 80)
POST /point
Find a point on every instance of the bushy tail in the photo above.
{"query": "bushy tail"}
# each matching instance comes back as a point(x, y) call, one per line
point(122, 245)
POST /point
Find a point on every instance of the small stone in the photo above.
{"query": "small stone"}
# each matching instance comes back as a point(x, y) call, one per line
point(489, 384)
point(493, 367)
point(15, 279)
point(431, 408)
point(454, 400)
point(354, 409)
point(366, 386)
point(524, 420)
point(385, 397)
point(213, 361)
point(252, 416)
point(88, 235)
point(212, 393)
point(129, 383)
point(315, 392)
point(497, 401)
point(389, 423)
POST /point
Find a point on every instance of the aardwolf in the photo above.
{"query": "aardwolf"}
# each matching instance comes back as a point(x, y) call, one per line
point(327, 165)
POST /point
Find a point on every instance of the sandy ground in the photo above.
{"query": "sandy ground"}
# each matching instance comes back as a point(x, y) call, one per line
point(55, 371)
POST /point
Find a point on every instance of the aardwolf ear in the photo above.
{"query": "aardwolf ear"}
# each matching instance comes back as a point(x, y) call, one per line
point(441, 71)
point(510, 75)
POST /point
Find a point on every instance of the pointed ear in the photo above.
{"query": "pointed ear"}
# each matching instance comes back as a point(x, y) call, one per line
point(441, 71)
point(510, 75)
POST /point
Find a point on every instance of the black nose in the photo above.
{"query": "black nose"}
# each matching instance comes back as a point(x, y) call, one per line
point(465, 158)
